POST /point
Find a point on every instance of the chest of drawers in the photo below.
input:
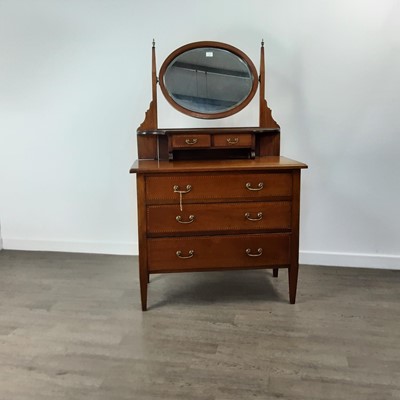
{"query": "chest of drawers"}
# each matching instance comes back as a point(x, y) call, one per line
point(214, 198)
point(218, 215)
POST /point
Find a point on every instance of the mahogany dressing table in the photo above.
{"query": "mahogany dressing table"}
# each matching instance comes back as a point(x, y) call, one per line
point(214, 198)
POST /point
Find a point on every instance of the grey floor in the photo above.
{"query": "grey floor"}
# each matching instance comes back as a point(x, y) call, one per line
point(71, 328)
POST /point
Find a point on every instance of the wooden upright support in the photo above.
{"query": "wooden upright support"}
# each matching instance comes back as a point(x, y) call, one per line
point(147, 145)
point(266, 120)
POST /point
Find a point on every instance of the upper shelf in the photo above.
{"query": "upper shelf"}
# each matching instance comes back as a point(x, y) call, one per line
point(167, 131)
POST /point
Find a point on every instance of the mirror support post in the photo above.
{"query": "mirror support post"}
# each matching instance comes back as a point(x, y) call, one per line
point(154, 81)
point(266, 120)
point(262, 85)
point(150, 122)
point(147, 145)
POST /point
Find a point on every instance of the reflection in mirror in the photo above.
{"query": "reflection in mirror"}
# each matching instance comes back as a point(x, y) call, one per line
point(208, 80)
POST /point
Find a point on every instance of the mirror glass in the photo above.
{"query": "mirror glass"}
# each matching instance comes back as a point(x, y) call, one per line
point(208, 82)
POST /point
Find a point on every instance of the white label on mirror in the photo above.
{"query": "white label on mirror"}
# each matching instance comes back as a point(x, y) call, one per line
point(209, 54)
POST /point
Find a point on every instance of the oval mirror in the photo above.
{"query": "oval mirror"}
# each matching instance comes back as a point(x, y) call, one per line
point(208, 79)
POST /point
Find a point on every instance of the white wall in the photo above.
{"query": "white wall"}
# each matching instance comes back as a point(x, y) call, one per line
point(75, 83)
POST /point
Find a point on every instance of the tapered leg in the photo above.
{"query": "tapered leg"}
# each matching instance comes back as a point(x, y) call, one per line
point(275, 272)
point(293, 273)
point(144, 276)
point(142, 229)
point(294, 250)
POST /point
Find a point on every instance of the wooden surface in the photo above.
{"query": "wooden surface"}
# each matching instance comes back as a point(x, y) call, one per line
point(221, 252)
point(178, 144)
point(71, 328)
point(225, 130)
point(189, 141)
point(230, 218)
point(209, 244)
point(218, 187)
point(265, 116)
point(261, 163)
point(151, 117)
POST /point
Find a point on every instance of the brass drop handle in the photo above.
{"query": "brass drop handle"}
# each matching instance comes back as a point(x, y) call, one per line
point(188, 189)
point(259, 252)
point(181, 192)
point(259, 216)
point(179, 219)
point(191, 141)
point(179, 254)
point(233, 140)
point(259, 186)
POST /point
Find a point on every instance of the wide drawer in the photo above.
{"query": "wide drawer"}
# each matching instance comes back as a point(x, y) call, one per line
point(250, 186)
point(190, 141)
point(215, 252)
point(200, 218)
point(233, 140)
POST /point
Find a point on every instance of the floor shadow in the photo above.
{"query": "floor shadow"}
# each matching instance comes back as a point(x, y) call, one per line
point(215, 287)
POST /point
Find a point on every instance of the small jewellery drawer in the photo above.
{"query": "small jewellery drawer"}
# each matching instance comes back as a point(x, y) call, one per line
point(215, 252)
point(190, 141)
point(183, 188)
point(233, 140)
point(200, 218)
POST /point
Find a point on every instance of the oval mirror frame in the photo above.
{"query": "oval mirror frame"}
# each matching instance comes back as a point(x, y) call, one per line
point(209, 45)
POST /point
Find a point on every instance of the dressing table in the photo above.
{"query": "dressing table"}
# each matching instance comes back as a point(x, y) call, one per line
point(214, 198)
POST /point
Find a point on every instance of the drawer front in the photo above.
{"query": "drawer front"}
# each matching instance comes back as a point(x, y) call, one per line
point(215, 252)
point(190, 141)
point(250, 186)
point(233, 140)
point(200, 218)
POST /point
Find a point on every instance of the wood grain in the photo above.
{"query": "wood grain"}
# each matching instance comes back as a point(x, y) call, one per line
point(228, 218)
point(218, 186)
point(261, 163)
point(178, 242)
point(211, 252)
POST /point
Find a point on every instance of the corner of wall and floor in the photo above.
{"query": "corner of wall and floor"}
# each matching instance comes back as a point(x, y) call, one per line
point(309, 257)
point(1, 240)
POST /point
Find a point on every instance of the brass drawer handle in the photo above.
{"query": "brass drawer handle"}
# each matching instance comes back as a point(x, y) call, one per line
point(191, 141)
point(179, 219)
point(232, 140)
point(181, 192)
point(188, 189)
point(248, 217)
point(259, 252)
point(259, 186)
point(179, 254)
